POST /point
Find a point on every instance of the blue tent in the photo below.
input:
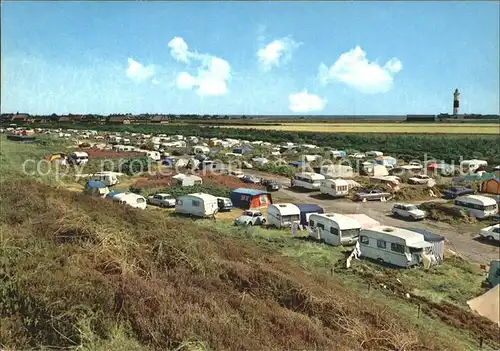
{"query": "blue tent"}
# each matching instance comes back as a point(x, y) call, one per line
point(305, 209)
point(298, 164)
point(95, 184)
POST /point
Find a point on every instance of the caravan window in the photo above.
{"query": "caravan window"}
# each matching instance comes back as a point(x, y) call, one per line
point(197, 182)
point(290, 218)
point(311, 223)
point(321, 226)
point(381, 244)
point(397, 248)
point(350, 233)
point(196, 203)
point(364, 239)
point(334, 231)
point(179, 202)
point(140, 200)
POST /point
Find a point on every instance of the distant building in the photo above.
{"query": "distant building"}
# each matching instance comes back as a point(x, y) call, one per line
point(160, 119)
point(118, 120)
point(21, 118)
point(421, 118)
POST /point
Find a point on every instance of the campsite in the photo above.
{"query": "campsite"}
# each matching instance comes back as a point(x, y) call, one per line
point(458, 255)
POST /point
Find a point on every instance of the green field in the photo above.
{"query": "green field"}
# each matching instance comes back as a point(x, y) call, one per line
point(384, 128)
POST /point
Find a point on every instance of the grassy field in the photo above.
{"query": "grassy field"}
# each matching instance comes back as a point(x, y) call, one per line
point(81, 272)
point(388, 128)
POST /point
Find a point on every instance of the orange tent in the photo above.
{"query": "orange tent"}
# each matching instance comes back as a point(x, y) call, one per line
point(491, 186)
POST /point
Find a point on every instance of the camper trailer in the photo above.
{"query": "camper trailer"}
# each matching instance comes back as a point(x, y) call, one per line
point(337, 171)
point(334, 187)
point(78, 158)
point(200, 150)
point(335, 229)
point(477, 205)
point(131, 199)
point(282, 215)
point(471, 166)
point(197, 204)
point(395, 246)
point(154, 155)
point(308, 180)
point(108, 178)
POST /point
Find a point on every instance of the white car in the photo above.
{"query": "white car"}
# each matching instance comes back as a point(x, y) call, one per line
point(491, 233)
point(162, 200)
point(420, 179)
point(408, 211)
point(250, 217)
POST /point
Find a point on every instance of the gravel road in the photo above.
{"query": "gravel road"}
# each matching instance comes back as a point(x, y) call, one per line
point(460, 238)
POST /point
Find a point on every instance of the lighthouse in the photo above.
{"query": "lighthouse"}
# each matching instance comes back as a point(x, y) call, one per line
point(456, 102)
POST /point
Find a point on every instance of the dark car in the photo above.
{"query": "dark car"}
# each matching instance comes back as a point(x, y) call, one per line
point(456, 191)
point(270, 185)
point(371, 194)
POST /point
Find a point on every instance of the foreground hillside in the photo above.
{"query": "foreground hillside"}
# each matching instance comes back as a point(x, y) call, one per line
point(79, 271)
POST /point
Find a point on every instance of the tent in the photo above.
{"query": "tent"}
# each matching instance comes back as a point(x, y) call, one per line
point(491, 186)
point(437, 242)
point(250, 198)
point(487, 305)
point(96, 188)
point(306, 209)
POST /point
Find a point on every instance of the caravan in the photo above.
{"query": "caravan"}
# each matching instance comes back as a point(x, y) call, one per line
point(282, 215)
point(308, 180)
point(197, 204)
point(335, 229)
point(78, 158)
point(334, 187)
point(131, 199)
point(396, 246)
point(108, 178)
point(471, 166)
point(477, 205)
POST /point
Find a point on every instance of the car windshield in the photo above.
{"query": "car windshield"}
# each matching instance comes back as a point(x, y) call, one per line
point(412, 208)
point(248, 213)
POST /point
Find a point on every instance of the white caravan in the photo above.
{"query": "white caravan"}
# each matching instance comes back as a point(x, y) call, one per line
point(337, 171)
point(335, 229)
point(470, 166)
point(396, 246)
point(282, 215)
point(131, 199)
point(78, 158)
point(373, 154)
point(108, 178)
point(477, 205)
point(197, 204)
point(154, 155)
point(334, 187)
point(308, 180)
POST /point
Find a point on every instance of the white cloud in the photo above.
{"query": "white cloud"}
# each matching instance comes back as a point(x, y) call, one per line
point(179, 49)
point(155, 81)
point(276, 52)
point(213, 72)
point(355, 70)
point(138, 72)
point(305, 102)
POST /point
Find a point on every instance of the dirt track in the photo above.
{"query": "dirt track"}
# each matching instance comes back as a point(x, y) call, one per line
point(460, 238)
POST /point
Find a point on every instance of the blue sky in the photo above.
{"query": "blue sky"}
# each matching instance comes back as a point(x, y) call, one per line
point(249, 57)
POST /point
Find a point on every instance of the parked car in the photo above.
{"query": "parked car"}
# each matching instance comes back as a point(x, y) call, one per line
point(250, 179)
point(161, 199)
point(419, 179)
point(408, 211)
point(270, 185)
point(456, 191)
point(225, 204)
point(371, 194)
point(237, 174)
point(250, 217)
point(491, 233)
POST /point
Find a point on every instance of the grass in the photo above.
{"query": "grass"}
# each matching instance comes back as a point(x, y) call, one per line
point(386, 128)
